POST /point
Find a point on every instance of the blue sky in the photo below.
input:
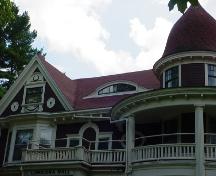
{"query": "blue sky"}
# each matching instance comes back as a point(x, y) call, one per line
point(87, 38)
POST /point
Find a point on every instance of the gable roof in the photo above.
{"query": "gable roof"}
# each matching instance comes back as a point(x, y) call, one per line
point(72, 93)
point(145, 79)
point(65, 84)
point(194, 31)
point(76, 90)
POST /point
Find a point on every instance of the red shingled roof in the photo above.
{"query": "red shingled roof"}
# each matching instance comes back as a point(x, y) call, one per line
point(194, 31)
point(75, 90)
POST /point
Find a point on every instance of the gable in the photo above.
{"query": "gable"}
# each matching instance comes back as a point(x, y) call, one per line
point(34, 91)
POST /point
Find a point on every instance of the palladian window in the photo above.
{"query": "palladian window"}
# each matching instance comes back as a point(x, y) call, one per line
point(172, 77)
point(212, 75)
point(116, 88)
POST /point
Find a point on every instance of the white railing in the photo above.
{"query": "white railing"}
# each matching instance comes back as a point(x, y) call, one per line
point(107, 156)
point(210, 152)
point(164, 152)
point(73, 154)
point(56, 154)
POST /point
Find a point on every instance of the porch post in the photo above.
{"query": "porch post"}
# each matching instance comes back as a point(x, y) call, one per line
point(199, 141)
point(130, 140)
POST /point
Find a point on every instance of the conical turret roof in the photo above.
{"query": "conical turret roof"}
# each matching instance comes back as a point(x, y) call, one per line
point(194, 31)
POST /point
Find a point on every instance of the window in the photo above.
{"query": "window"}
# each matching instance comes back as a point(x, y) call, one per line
point(172, 77)
point(33, 95)
point(212, 75)
point(45, 137)
point(115, 88)
point(23, 137)
point(103, 143)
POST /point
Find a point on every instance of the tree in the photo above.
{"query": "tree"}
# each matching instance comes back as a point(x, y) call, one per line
point(15, 43)
point(181, 4)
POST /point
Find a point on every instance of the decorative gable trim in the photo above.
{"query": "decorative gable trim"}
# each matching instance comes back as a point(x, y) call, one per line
point(24, 76)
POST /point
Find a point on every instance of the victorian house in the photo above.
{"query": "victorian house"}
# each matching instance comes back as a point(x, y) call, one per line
point(158, 122)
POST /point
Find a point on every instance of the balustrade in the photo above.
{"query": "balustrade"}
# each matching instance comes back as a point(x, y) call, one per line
point(163, 152)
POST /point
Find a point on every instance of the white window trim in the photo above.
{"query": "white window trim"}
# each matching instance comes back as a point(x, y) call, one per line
point(179, 75)
point(72, 136)
point(36, 131)
point(106, 135)
point(89, 125)
point(95, 93)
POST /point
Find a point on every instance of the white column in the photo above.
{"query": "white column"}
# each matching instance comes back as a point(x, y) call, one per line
point(130, 133)
point(199, 141)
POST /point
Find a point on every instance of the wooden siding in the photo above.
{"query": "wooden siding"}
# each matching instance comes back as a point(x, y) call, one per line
point(48, 94)
point(193, 75)
point(19, 99)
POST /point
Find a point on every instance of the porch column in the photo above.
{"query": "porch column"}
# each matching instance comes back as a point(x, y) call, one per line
point(199, 141)
point(130, 140)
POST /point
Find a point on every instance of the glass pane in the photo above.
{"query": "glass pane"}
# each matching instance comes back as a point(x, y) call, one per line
point(212, 81)
point(45, 137)
point(74, 142)
point(212, 70)
point(103, 143)
point(171, 77)
point(22, 139)
point(34, 95)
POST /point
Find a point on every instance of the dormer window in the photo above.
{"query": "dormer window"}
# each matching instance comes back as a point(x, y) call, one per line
point(116, 88)
point(172, 77)
point(211, 75)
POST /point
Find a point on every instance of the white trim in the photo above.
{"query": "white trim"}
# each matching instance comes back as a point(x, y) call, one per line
point(72, 136)
point(164, 79)
point(191, 54)
point(24, 76)
point(42, 96)
point(96, 95)
point(179, 74)
point(206, 74)
point(106, 135)
point(89, 125)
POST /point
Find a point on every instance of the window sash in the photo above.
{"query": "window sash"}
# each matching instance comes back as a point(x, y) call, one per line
point(172, 77)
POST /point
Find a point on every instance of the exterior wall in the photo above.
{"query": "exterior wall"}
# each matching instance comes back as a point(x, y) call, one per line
point(73, 128)
point(3, 140)
point(48, 94)
point(18, 98)
point(193, 75)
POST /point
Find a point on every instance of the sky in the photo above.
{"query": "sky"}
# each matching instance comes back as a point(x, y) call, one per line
point(89, 38)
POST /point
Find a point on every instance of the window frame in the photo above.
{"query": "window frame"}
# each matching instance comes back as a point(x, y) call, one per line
point(210, 76)
point(114, 88)
point(178, 77)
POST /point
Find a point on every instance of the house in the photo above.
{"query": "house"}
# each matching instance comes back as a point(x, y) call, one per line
point(153, 123)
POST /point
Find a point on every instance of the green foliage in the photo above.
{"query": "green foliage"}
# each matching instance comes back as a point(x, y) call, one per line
point(6, 12)
point(181, 4)
point(15, 43)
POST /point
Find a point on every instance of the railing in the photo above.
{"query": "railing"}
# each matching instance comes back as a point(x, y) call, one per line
point(148, 148)
point(74, 154)
point(210, 152)
point(56, 154)
point(106, 156)
point(164, 152)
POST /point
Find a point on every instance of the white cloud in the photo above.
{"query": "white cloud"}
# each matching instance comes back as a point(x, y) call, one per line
point(151, 41)
point(75, 27)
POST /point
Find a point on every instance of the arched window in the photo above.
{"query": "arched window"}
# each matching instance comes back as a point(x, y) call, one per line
point(89, 136)
point(115, 88)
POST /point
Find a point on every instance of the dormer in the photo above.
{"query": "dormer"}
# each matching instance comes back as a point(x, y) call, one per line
point(189, 56)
